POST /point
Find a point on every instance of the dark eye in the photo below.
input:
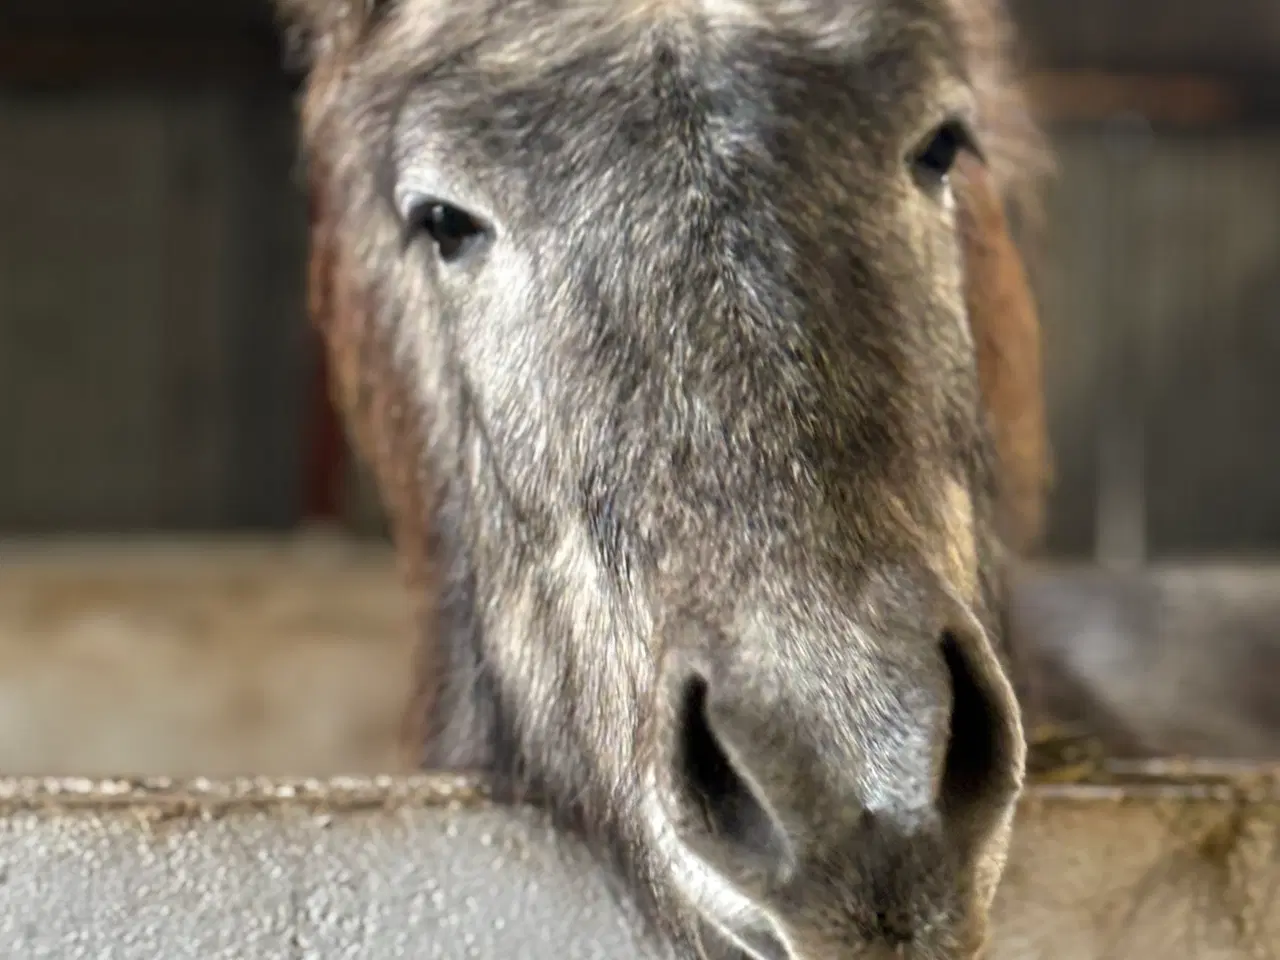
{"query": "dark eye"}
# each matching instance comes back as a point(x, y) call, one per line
point(933, 162)
point(454, 231)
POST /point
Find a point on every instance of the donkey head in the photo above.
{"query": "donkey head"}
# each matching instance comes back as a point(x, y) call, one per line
point(663, 322)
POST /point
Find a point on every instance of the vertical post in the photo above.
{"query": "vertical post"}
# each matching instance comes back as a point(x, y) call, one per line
point(1121, 511)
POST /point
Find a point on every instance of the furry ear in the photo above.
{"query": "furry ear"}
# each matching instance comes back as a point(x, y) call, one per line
point(315, 27)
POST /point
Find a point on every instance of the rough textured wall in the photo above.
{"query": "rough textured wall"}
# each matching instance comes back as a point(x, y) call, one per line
point(1181, 869)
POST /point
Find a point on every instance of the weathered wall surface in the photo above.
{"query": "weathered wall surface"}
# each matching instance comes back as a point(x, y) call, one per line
point(421, 868)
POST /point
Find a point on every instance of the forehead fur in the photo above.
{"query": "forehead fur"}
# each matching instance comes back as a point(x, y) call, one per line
point(355, 17)
point(435, 26)
point(386, 35)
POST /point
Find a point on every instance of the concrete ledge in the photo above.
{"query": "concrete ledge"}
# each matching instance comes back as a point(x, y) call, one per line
point(1161, 862)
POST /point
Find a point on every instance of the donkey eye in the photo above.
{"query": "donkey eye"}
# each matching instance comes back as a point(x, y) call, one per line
point(933, 161)
point(454, 231)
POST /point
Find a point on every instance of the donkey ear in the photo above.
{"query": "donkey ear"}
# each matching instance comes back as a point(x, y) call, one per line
point(316, 26)
point(312, 16)
point(1006, 333)
point(307, 27)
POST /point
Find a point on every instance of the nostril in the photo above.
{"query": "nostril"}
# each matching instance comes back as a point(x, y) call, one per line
point(976, 761)
point(707, 776)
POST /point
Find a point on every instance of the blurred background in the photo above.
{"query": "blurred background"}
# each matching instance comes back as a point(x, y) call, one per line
point(193, 575)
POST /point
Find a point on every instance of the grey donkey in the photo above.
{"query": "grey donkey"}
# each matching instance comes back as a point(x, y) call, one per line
point(698, 370)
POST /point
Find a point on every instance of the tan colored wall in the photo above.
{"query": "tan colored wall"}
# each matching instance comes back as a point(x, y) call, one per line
point(292, 657)
point(205, 658)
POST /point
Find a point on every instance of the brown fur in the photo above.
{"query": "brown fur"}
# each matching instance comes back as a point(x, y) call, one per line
point(380, 415)
point(1006, 328)
point(502, 707)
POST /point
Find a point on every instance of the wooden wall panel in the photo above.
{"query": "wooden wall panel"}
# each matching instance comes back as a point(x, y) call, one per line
point(1180, 247)
point(150, 298)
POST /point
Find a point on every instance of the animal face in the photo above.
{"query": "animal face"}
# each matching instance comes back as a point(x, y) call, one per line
point(675, 295)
